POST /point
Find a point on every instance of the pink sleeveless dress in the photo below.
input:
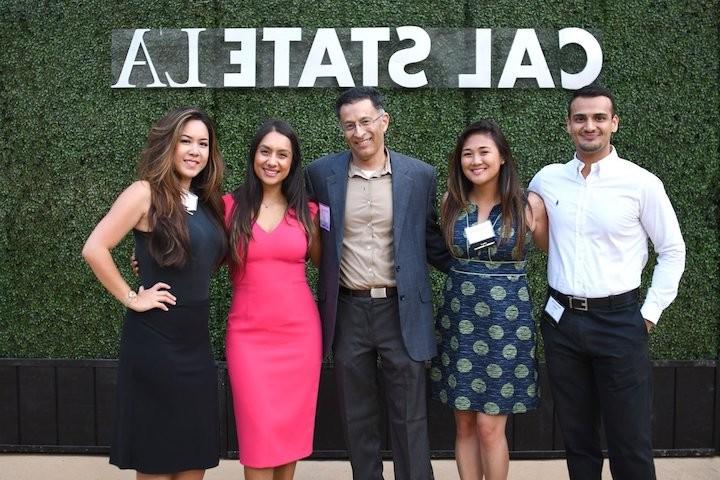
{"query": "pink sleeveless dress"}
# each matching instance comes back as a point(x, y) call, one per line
point(273, 347)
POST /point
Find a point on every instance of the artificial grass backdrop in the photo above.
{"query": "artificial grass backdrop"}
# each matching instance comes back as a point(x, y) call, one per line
point(70, 142)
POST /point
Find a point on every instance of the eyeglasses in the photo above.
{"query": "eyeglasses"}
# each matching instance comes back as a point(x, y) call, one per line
point(349, 127)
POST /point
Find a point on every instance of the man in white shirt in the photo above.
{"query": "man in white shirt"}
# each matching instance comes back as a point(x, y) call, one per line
point(601, 210)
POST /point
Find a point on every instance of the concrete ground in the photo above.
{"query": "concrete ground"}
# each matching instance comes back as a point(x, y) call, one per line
point(91, 467)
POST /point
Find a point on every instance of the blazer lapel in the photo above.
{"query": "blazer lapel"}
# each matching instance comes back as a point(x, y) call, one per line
point(337, 192)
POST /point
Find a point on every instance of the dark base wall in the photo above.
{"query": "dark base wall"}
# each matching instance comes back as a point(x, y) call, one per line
point(65, 406)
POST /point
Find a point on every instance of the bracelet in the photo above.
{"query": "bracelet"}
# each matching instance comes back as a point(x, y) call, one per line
point(131, 297)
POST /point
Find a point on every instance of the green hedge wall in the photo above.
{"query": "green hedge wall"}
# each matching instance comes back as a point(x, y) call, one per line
point(70, 142)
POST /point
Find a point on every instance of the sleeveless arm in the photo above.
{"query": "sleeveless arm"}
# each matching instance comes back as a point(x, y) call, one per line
point(129, 211)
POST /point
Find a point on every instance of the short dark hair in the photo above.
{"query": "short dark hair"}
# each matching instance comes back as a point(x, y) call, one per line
point(357, 94)
point(592, 91)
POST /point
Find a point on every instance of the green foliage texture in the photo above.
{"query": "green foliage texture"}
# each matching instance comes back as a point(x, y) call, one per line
point(71, 143)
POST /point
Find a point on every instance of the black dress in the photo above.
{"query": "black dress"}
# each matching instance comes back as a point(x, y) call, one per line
point(166, 413)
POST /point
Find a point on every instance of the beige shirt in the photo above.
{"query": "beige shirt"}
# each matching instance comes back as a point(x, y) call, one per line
point(367, 259)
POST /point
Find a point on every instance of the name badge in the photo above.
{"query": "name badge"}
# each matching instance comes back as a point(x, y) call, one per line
point(190, 201)
point(554, 309)
point(480, 235)
point(324, 216)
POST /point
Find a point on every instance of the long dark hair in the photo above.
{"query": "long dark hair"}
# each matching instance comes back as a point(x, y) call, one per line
point(512, 197)
point(169, 242)
point(248, 196)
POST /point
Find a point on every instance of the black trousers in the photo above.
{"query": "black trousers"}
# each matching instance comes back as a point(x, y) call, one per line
point(367, 328)
point(599, 367)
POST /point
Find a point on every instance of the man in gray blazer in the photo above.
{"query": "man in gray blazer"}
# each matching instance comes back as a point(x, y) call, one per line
point(379, 230)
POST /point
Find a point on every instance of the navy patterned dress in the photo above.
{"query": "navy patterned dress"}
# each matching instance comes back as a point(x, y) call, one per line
point(484, 327)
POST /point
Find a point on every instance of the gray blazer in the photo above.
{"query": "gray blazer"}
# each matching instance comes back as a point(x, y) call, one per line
point(417, 240)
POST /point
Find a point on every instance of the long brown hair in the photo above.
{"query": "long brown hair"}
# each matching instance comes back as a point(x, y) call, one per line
point(512, 197)
point(169, 242)
point(248, 196)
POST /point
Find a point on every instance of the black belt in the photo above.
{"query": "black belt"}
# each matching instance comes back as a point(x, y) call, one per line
point(378, 292)
point(606, 303)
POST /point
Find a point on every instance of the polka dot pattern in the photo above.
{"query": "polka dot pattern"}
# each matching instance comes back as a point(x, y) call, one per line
point(467, 288)
point(482, 309)
point(486, 345)
point(521, 371)
point(509, 352)
point(481, 348)
point(455, 305)
point(498, 293)
point(494, 370)
point(496, 332)
point(444, 359)
point(478, 386)
point(464, 365)
point(523, 294)
point(466, 327)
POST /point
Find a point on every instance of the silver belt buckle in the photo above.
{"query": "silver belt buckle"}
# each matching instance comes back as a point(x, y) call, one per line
point(582, 305)
point(378, 292)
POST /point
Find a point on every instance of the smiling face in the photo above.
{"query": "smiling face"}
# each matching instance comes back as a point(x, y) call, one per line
point(273, 159)
point(591, 123)
point(480, 160)
point(191, 151)
point(364, 128)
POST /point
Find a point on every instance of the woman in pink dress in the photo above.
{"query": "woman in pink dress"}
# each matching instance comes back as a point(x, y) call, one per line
point(273, 344)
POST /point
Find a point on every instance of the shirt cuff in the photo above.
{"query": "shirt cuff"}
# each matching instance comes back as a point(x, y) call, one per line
point(651, 312)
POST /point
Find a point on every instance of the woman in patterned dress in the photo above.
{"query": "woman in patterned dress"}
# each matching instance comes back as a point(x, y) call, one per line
point(486, 367)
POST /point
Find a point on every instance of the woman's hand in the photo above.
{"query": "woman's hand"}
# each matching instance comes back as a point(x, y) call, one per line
point(129, 211)
point(157, 296)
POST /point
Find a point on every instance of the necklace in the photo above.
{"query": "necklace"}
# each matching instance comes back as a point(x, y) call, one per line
point(267, 205)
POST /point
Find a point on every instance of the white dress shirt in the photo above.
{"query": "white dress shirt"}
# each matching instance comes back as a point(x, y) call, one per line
point(599, 228)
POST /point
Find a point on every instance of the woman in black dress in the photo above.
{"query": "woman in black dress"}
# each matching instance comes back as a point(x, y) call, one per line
point(166, 408)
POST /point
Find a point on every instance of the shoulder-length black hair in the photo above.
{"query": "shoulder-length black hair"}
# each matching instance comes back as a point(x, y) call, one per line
point(248, 196)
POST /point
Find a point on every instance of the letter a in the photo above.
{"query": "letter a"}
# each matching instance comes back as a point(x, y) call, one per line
point(131, 62)
point(526, 41)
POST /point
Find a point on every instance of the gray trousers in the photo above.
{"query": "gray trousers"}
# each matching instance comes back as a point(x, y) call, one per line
point(367, 328)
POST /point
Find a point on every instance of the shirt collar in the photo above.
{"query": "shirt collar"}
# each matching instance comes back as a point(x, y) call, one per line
point(602, 167)
point(355, 171)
